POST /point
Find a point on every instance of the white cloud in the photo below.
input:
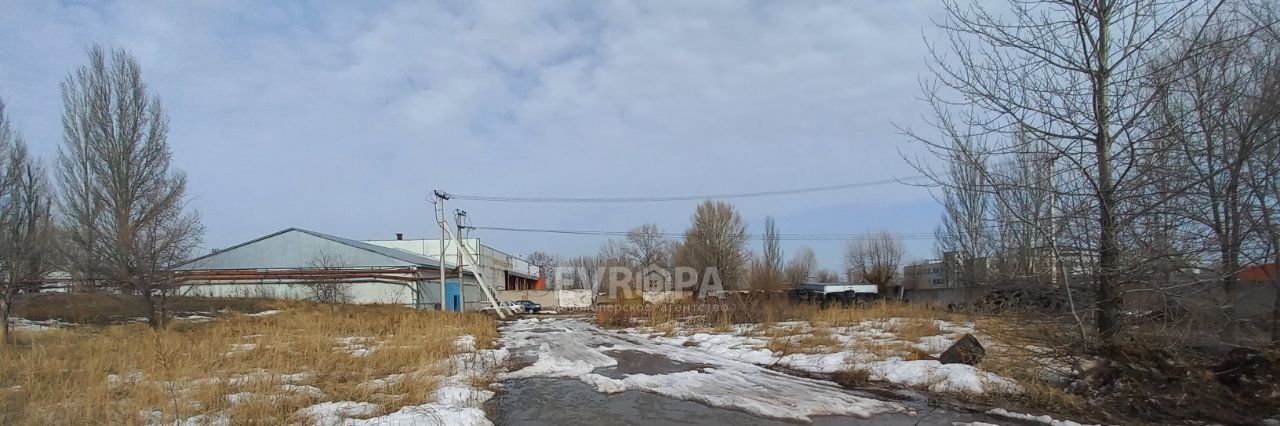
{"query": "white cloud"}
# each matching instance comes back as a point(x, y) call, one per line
point(342, 117)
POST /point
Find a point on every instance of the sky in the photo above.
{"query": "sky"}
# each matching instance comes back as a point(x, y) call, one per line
point(342, 117)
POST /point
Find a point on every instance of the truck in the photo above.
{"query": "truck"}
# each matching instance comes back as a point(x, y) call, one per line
point(826, 294)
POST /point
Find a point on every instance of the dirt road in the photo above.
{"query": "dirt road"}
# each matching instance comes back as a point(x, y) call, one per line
point(571, 372)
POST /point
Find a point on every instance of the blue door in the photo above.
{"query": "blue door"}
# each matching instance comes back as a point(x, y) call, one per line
point(452, 296)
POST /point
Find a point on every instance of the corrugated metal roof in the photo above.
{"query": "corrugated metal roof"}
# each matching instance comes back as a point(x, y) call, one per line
point(279, 250)
point(385, 251)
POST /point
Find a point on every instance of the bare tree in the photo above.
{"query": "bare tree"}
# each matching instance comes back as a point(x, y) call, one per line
point(646, 246)
point(716, 238)
point(1220, 107)
point(26, 227)
point(803, 266)
point(876, 257)
point(545, 262)
point(1071, 76)
point(123, 207)
point(967, 206)
point(323, 288)
point(828, 276)
point(772, 246)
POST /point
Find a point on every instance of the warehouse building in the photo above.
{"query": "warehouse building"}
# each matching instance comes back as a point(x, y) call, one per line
point(293, 263)
point(501, 271)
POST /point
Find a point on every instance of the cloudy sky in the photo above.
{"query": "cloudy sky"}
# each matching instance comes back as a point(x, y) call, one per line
point(341, 117)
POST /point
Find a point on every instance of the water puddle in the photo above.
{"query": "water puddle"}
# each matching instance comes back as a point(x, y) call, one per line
point(637, 362)
point(550, 401)
point(558, 401)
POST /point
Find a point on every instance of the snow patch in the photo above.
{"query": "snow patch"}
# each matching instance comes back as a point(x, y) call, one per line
point(20, 324)
point(358, 346)
point(724, 381)
point(939, 377)
point(1045, 419)
point(333, 413)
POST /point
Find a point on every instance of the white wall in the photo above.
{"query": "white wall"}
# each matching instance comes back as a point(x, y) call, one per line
point(361, 293)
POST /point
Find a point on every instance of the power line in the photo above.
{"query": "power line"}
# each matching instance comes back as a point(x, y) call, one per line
point(671, 235)
point(683, 197)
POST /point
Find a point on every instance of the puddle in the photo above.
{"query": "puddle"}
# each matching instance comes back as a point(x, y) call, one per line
point(548, 401)
point(559, 401)
point(637, 362)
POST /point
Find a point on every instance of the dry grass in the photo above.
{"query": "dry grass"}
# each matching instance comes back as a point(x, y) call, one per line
point(875, 311)
point(1027, 351)
point(106, 308)
point(273, 365)
point(852, 377)
point(766, 311)
point(786, 341)
point(913, 329)
point(883, 348)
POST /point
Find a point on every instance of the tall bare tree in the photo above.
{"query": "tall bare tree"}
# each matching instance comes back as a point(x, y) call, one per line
point(26, 226)
point(1071, 75)
point(772, 246)
point(876, 257)
point(967, 206)
point(803, 266)
point(123, 205)
point(646, 246)
point(716, 238)
point(1220, 107)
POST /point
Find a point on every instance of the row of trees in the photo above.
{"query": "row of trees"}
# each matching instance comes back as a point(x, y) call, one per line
point(717, 237)
point(116, 217)
point(1120, 144)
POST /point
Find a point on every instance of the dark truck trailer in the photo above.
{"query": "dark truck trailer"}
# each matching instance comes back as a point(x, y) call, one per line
point(826, 294)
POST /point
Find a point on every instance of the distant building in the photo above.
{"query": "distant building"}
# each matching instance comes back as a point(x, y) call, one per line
point(286, 264)
point(932, 273)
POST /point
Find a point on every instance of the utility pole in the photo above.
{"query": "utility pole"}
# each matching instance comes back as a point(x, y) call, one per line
point(440, 197)
point(458, 215)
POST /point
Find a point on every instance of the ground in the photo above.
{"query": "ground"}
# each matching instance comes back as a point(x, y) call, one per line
point(295, 363)
point(275, 362)
point(719, 370)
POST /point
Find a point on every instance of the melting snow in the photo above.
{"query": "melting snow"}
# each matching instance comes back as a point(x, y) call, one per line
point(932, 375)
point(357, 345)
point(20, 324)
point(726, 382)
point(1045, 419)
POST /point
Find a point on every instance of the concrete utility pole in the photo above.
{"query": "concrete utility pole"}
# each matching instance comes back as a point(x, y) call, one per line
point(440, 197)
point(458, 215)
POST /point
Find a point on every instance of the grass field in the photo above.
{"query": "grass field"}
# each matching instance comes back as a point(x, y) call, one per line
point(258, 368)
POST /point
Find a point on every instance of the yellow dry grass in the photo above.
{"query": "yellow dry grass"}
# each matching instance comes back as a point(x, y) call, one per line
point(785, 341)
point(913, 329)
point(272, 366)
point(879, 310)
point(883, 348)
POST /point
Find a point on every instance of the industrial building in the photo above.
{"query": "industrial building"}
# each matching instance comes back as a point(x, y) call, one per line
point(290, 263)
point(500, 270)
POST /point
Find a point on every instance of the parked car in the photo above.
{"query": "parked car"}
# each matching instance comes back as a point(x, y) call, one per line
point(513, 306)
point(529, 306)
point(507, 307)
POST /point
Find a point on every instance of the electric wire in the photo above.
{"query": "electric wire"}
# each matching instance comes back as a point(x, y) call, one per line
point(685, 197)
